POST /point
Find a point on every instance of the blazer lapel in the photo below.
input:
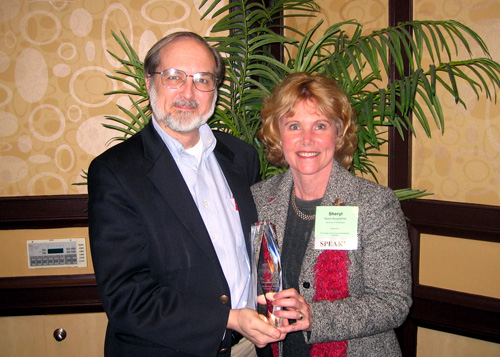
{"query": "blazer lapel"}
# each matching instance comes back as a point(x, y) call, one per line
point(276, 208)
point(276, 211)
point(167, 178)
point(335, 190)
point(239, 187)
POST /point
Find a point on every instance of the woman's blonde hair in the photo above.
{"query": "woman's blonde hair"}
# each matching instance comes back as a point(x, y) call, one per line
point(331, 101)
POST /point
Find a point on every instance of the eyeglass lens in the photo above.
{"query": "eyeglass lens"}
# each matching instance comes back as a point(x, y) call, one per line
point(175, 78)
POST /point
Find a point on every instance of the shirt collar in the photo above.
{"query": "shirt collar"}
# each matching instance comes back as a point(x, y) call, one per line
point(177, 149)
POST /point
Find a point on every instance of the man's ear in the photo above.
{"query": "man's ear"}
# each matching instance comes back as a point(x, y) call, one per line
point(148, 82)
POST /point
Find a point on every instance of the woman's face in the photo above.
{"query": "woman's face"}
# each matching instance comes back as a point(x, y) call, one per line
point(308, 139)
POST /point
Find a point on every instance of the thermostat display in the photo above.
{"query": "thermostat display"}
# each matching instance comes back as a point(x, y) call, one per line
point(57, 253)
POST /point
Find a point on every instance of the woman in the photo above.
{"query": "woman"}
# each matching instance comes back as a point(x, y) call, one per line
point(344, 302)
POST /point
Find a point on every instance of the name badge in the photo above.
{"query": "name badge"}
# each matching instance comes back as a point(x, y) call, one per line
point(336, 227)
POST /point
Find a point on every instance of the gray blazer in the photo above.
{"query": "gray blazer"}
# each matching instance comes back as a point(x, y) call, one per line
point(379, 273)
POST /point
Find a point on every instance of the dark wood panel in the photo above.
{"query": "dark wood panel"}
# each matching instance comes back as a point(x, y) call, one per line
point(32, 212)
point(477, 320)
point(400, 148)
point(49, 295)
point(46, 294)
point(444, 310)
point(454, 219)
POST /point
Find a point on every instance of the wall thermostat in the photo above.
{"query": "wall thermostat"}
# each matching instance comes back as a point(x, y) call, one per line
point(57, 253)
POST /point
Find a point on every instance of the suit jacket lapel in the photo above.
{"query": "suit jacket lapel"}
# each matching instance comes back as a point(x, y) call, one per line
point(239, 187)
point(167, 178)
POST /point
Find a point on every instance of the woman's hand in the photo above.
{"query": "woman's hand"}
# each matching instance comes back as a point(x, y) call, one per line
point(294, 307)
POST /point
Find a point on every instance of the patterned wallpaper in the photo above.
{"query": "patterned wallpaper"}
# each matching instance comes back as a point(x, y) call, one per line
point(54, 62)
point(463, 165)
point(53, 67)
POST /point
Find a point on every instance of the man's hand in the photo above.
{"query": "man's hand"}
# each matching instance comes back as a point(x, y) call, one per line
point(254, 327)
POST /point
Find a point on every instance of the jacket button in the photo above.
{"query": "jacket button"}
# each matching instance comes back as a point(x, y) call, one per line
point(306, 285)
point(223, 350)
point(224, 299)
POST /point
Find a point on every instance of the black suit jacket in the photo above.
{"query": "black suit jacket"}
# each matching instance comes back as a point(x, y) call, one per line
point(158, 275)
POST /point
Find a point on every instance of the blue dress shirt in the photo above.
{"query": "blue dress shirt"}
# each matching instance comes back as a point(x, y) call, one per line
point(217, 207)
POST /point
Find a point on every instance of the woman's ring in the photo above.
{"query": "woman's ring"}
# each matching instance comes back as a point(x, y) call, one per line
point(301, 315)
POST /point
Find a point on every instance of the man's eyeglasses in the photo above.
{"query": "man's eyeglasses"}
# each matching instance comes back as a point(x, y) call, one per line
point(175, 78)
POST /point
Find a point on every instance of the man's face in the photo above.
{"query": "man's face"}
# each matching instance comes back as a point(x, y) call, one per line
point(186, 108)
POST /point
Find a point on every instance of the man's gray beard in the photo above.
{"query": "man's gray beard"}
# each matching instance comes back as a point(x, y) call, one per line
point(183, 121)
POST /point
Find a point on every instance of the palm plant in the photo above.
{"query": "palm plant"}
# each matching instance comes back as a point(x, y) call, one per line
point(132, 76)
point(360, 64)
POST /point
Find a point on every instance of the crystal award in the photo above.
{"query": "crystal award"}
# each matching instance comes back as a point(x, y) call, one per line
point(268, 265)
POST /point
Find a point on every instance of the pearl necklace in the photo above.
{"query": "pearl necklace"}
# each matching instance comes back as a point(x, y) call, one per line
point(302, 215)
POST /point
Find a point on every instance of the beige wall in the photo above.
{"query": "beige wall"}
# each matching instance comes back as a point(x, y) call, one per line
point(53, 67)
point(463, 164)
point(33, 335)
point(433, 343)
point(460, 264)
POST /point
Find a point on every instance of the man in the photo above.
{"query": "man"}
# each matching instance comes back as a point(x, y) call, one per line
point(170, 211)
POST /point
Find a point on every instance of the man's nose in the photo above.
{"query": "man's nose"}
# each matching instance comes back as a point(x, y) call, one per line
point(188, 88)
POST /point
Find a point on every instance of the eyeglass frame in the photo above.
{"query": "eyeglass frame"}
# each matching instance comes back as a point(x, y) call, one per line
point(187, 75)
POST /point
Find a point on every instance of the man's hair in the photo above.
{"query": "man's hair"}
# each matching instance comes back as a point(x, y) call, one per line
point(152, 60)
point(331, 101)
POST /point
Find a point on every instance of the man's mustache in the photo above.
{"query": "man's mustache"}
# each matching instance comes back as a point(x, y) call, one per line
point(186, 103)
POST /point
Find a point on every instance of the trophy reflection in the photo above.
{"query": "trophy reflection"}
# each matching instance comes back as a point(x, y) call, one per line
point(268, 265)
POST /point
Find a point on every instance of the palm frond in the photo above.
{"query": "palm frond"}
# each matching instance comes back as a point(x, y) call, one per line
point(427, 57)
point(408, 193)
point(362, 60)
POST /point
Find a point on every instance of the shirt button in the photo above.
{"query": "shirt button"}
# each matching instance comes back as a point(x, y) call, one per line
point(306, 285)
point(213, 237)
point(205, 203)
point(199, 171)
